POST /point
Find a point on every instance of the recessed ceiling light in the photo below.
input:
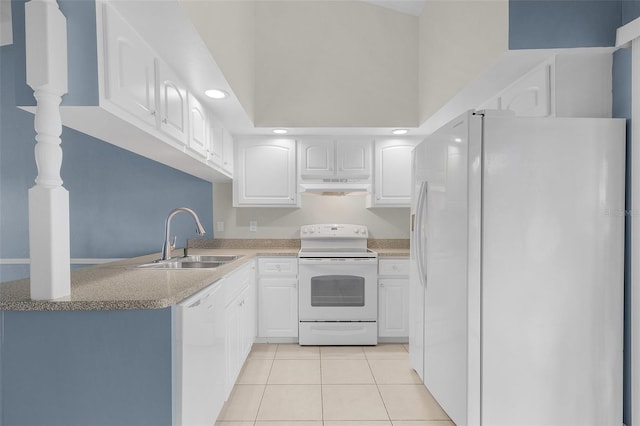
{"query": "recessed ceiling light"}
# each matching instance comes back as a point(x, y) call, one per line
point(458, 140)
point(216, 94)
point(400, 131)
point(280, 131)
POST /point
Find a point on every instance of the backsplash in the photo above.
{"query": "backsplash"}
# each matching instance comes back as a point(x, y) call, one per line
point(262, 243)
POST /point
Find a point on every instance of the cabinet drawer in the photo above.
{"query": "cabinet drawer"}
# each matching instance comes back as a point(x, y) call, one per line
point(393, 267)
point(278, 266)
point(236, 282)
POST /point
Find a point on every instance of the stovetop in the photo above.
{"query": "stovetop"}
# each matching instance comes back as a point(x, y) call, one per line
point(334, 240)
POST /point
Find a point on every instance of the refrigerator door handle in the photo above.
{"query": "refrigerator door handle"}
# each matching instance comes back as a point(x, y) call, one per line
point(422, 204)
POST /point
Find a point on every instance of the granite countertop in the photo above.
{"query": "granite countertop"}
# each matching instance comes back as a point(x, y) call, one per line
point(119, 286)
point(392, 252)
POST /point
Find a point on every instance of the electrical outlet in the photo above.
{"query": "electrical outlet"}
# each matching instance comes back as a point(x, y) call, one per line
point(220, 226)
point(253, 226)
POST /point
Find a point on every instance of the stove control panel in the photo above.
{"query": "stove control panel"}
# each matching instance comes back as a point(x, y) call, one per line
point(328, 231)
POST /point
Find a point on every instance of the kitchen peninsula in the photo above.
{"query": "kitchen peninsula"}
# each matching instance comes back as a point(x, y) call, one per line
point(107, 354)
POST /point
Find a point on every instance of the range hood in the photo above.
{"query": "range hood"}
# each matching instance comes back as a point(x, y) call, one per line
point(335, 187)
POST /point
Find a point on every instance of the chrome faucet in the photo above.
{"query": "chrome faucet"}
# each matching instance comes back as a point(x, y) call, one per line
point(168, 245)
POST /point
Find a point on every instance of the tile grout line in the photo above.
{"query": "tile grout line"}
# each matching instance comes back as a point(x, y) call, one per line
point(321, 388)
point(375, 381)
point(265, 387)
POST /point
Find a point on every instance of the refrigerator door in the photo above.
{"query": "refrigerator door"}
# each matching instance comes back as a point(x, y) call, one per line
point(553, 203)
point(452, 304)
point(417, 261)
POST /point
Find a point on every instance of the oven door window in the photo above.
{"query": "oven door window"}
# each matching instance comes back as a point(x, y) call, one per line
point(337, 290)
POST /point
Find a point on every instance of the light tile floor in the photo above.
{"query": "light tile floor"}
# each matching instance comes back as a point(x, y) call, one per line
point(292, 385)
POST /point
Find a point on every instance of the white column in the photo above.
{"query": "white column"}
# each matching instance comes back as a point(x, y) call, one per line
point(46, 49)
point(630, 34)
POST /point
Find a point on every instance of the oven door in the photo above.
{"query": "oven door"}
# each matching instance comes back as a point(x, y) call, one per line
point(338, 289)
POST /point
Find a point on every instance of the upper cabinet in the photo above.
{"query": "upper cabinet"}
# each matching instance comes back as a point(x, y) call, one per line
point(198, 131)
point(566, 85)
point(227, 152)
point(330, 158)
point(137, 101)
point(317, 157)
point(353, 157)
point(265, 173)
point(173, 104)
point(392, 173)
point(130, 69)
point(221, 148)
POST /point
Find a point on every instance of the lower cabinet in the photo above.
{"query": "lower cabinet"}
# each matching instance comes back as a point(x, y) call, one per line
point(240, 320)
point(215, 329)
point(200, 356)
point(393, 298)
point(278, 297)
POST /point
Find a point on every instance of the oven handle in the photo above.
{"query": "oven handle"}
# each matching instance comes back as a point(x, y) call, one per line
point(337, 261)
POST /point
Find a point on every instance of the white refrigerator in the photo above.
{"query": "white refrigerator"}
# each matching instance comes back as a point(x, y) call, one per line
point(517, 269)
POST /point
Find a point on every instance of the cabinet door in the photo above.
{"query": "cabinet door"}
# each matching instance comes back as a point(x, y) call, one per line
point(249, 315)
point(232, 344)
point(353, 157)
point(130, 69)
point(200, 373)
point(227, 151)
point(197, 126)
point(393, 309)
point(215, 145)
point(392, 182)
point(173, 104)
point(317, 157)
point(266, 173)
point(529, 96)
point(278, 307)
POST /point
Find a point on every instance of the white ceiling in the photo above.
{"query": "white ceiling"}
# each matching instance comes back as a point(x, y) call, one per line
point(410, 7)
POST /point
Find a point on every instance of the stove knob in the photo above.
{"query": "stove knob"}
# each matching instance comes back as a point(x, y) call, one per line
point(357, 231)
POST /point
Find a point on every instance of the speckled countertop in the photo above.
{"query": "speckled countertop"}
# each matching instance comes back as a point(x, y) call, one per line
point(120, 286)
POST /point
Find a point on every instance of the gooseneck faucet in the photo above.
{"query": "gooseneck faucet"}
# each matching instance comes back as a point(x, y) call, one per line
point(168, 244)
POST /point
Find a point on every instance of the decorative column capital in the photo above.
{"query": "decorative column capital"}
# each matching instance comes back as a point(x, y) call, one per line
point(46, 46)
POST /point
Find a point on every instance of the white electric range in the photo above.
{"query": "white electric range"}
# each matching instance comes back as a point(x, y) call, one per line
point(338, 292)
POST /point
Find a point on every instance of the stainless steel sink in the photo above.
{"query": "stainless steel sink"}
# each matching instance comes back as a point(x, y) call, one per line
point(180, 265)
point(209, 258)
point(191, 262)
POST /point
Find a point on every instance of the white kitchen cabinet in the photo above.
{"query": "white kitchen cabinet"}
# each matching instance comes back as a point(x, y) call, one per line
point(227, 152)
point(393, 299)
point(220, 148)
point(566, 85)
point(278, 297)
point(529, 96)
point(392, 173)
point(130, 69)
point(200, 356)
point(173, 104)
point(141, 104)
point(317, 157)
point(330, 158)
point(240, 320)
point(353, 157)
point(198, 126)
point(215, 144)
point(265, 173)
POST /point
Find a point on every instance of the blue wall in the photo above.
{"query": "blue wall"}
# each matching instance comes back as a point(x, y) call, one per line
point(586, 23)
point(118, 200)
point(81, 368)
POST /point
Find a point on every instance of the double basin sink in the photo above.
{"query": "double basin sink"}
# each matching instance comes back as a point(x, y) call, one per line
point(191, 262)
